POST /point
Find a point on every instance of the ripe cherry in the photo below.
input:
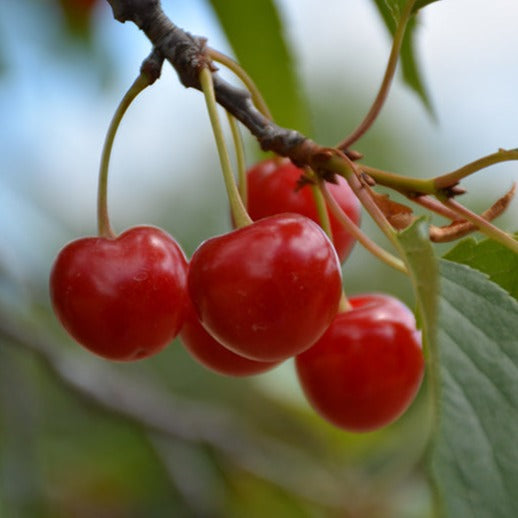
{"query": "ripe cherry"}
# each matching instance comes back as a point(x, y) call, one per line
point(367, 367)
point(214, 356)
point(121, 298)
point(273, 189)
point(78, 13)
point(267, 291)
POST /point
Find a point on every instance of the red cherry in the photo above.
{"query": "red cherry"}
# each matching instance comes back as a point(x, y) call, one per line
point(121, 298)
point(272, 189)
point(269, 290)
point(367, 368)
point(78, 7)
point(214, 356)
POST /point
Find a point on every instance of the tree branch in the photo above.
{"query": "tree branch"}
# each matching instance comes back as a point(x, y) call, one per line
point(187, 54)
point(170, 416)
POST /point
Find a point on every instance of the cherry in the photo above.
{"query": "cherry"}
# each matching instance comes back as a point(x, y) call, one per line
point(122, 298)
point(78, 13)
point(214, 356)
point(367, 367)
point(269, 290)
point(273, 189)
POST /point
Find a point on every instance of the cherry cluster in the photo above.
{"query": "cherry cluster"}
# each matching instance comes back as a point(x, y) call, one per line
point(248, 300)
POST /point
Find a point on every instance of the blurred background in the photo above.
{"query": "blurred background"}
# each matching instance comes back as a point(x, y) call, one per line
point(81, 437)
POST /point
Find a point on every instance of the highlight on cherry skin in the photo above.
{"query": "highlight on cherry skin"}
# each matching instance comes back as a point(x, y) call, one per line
point(122, 298)
point(269, 290)
point(214, 356)
point(273, 189)
point(367, 368)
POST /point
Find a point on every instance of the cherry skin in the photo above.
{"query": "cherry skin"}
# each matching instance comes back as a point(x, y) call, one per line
point(367, 368)
point(272, 189)
point(122, 298)
point(214, 356)
point(269, 290)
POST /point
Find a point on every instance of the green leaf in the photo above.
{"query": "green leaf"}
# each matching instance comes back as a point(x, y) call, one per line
point(254, 30)
point(422, 3)
point(475, 459)
point(422, 264)
point(494, 259)
point(390, 11)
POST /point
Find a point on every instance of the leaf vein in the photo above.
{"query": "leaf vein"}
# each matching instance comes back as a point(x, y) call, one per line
point(476, 366)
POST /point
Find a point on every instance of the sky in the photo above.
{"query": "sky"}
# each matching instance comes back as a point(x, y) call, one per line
point(55, 115)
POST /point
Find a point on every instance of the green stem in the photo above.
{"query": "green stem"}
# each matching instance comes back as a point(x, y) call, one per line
point(350, 171)
point(484, 226)
point(323, 215)
point(239, 214)
point(325, 223)
point(403, 184)
point(103, 220)
point(362, 238)
point(320, 203)
point(387, 79)
point(436, 206)
point(257, 98)
point(450, 179)
point(240, 159)
point(344, 304)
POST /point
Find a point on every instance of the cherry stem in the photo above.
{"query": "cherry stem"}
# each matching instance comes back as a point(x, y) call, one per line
point(325, 223)
point(410, 186)
point(344, 304)
point(240, 72)
point(436, 206)
point(387, 79)
point(360, 236)
point(320, 203)
point(239, 213)
point(341, 164)
point(450, 179)
point(103, 220)
point(240, 159)
point(484, 226)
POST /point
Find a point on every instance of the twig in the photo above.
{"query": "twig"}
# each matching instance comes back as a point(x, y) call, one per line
point(484, 226)
point(386, 82)
point(360, 236)
point(460, 228)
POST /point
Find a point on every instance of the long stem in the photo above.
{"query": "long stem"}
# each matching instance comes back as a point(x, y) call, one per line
point(436, 206)
point(325, 223)
point(320, 204)
point(362, 238)
point(483, 225)
point(447, 180)
point(387, 79)
point(258, 99)
point(239, 214)
point(240, 159)
point(103, 220)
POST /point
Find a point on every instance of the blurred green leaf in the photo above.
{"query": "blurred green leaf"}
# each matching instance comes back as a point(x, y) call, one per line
point(475, 459)
point(422, 263)
point(423, 267)
point(491, 258)
point(422, 3)
point(390, 11)
point(255, 32)
point(394, 8)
